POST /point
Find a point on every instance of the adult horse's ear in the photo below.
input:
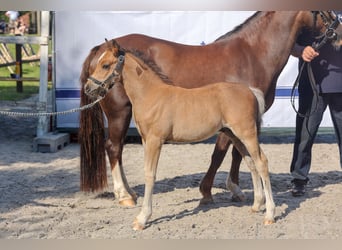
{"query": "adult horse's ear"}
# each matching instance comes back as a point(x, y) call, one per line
point(115, 44)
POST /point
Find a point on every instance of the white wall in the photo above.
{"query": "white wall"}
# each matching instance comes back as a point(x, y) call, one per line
point(78, 32)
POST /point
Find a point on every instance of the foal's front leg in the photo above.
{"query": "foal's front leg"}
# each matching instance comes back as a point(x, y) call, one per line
point(152, 147)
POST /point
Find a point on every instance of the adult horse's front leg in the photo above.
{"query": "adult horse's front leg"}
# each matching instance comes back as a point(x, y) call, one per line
point(122, 191)
point(118, 112)
point(221, 147)
point(232, 181)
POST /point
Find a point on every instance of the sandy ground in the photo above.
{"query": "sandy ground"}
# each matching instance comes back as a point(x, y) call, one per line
point(40, 197)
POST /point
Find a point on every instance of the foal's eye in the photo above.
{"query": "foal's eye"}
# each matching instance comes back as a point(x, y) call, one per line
point(106, 66)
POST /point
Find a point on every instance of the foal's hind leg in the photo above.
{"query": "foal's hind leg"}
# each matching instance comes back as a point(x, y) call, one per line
point(262, 168)
point(259, 167)
point(221, 147)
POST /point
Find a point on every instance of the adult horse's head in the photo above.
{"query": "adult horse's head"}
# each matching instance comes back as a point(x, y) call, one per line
point(107, 71)
point(331, 27)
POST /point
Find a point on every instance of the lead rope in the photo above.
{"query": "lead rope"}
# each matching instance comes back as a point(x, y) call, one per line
point(313, 87)
point(329, 35)
point(24, 114)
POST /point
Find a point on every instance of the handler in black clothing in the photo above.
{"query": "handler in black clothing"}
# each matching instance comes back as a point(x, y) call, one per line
point(327, 70)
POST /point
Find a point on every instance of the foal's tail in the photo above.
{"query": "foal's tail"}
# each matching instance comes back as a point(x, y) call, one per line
point(259, 95)
point(91, 138)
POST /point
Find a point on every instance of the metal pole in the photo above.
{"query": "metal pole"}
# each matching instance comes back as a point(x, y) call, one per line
point(18, 67)
point(42, 127)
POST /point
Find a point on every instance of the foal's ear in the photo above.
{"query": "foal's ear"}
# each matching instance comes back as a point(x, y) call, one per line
point(112, 45)
point(115, 44)
point(117, 48)
point(108, 43)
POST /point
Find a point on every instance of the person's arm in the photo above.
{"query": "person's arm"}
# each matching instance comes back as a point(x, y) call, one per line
point(297, 50)
point(306, 53)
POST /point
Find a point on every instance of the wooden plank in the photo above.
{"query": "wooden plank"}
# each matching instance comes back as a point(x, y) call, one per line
point(25, 79)
point(4, 55)
point(25, 39)
point(27, 60)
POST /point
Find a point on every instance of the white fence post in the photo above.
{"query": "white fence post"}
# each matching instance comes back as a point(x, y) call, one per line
point(42, 127)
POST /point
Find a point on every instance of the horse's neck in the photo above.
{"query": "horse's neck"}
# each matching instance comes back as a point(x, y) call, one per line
point(276, 33)
point(139, 80)
point(271, 36)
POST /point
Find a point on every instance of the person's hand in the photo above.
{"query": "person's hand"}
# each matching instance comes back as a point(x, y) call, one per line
point(309, 53)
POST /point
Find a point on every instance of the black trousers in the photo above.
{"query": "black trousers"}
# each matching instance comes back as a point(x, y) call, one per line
point(307, 127)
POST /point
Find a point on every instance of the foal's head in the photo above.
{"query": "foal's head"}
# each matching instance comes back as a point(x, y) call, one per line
point(107, 71)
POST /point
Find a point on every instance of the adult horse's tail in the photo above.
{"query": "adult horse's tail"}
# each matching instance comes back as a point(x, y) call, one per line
point(91, 138)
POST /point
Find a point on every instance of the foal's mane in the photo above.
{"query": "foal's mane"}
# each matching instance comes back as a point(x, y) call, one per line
point(150, 64)
point(238, 28)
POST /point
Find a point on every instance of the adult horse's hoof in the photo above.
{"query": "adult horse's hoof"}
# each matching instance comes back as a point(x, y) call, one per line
point(206, 201)
point(128, 203)
point(137, 226)
point(239, 197)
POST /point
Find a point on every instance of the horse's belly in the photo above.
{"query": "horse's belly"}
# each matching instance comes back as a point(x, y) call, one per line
point(192, 132)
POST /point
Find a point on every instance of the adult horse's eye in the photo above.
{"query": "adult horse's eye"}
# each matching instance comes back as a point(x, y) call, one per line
point(106, 66)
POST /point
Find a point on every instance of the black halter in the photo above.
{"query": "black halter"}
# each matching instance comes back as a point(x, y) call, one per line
point(330, 32)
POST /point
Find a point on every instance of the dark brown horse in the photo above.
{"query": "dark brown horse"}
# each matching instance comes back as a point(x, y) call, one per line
point(254, 53)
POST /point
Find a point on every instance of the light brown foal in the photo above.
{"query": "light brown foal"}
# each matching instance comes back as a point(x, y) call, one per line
point(164, 112)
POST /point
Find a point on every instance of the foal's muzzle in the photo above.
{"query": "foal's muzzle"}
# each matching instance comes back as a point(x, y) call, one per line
point(94, 91)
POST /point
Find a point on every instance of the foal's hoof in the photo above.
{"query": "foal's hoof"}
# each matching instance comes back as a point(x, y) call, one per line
point(255, 210)
point(128, 203)
point(137, 226)
point(268, 222)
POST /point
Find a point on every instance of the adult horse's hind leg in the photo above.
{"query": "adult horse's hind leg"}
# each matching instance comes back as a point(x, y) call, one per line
point(221, 147)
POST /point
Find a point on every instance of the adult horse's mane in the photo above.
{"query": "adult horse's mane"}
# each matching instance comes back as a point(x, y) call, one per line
point(239, 27)
point(86, 64)
point(150, 63)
